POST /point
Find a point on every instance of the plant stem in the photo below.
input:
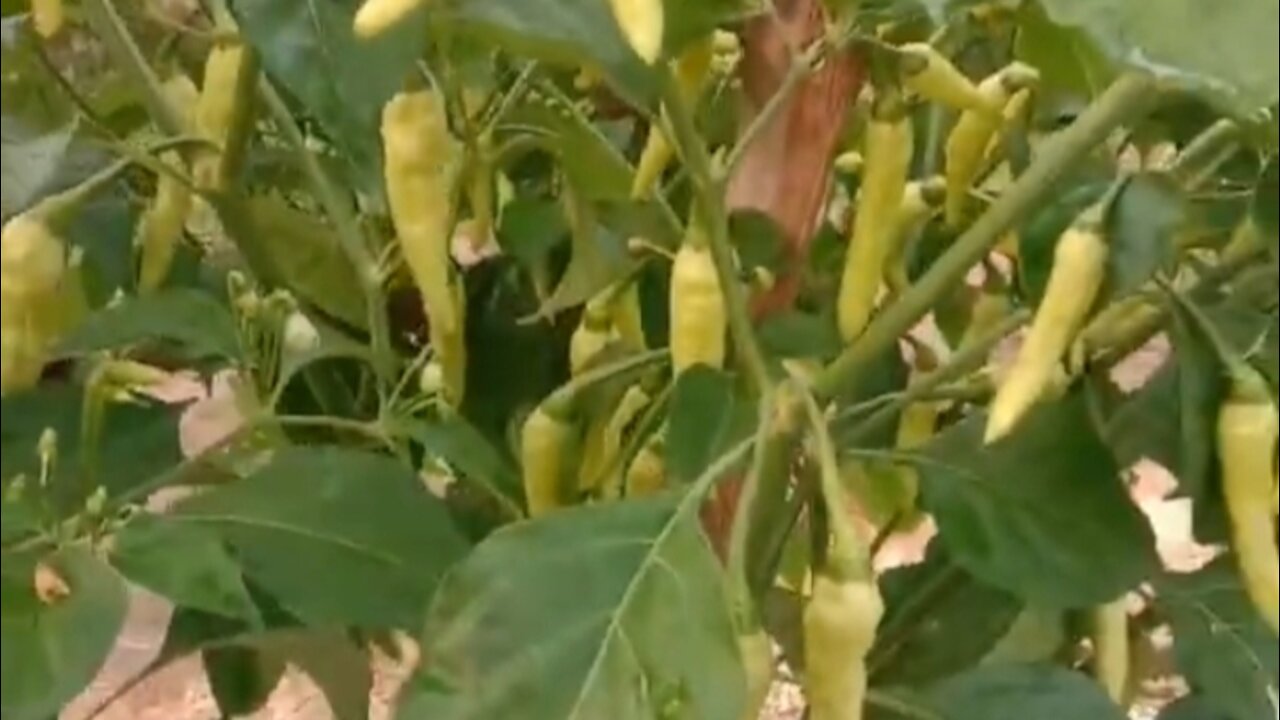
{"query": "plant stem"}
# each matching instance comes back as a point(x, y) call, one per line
point(741, 587)
point(1128, 97)
point(1205, 153)
point(962, 363)
point(350, 236)
point(711, 196)
point(114, 33)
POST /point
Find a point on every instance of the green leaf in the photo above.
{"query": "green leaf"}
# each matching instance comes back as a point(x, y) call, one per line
point(612, 611)
point(50, 653)
point(1067, 58)
point(701, 419)
point(185, 563)
point(1228, 49)
point(192, 320)
point(1222, 646)
point(599, 258)
point(309, 259)
point(940, 621)
point(338, 536)
point(798, 334)
point(1043, 514)
point(1266, 200)
point(1037, 636)
point(573, 33)
point(310, 48)
point(758, 238)
point(458, 443)
point(1039, 235)
point(583, 33)
point(241, 679)
point(1192, 707)
point(531, 228)
point(1020, 692)
point(247, 672)
point(33, 162)
point(139, 441)
point(1141, 228)
point(338, 666)
point(592, 163)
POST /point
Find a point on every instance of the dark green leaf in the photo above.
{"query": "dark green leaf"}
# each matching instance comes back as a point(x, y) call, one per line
point(1141, 229)
point(337, 665)
point(640, 219)
point(1039, 236)
point(573, 33)
point(309, 47)
point(1043, 514)
point(1228, 50)
point(1036, 636)
point(599, 259)
point(1021, 692)
point(940, 621)
point(185, 563)
point(701, 417)
point(758, 239)
point(1266, 200)
point(531, 229)
point(612, 611)
point(592, 163)
point(305, 251)
point(1221, 644)
point(193, 320)
point(338, 536)
point(799, 334)
point(1150, 423)
point(578, 33)
point(1192, 708)
point(139, 441)
point(241, 679)
point(458, 443)
point(49, 653)
point(1067, 58)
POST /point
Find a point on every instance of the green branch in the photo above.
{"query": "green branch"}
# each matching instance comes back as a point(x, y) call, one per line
point(112, 31)
point(350, 236)
point(1128, 97)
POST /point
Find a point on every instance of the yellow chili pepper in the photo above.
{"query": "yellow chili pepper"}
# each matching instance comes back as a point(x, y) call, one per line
point(1248, 426)
point(450, 348)
point(926, 72)
point(648, 472)
point(967, 144)
point(48, 17)
point(643, 24)
point(921, 200)
point(1079, 270)
point(692, 69)
point(888, 160)
point(1111, 653)
point(230, 74)
point(592, 336)
point(699, 319)
point(377, 16)
point(421, 167)
point(544, 444)
point(33, 262)
point(160, 228)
